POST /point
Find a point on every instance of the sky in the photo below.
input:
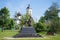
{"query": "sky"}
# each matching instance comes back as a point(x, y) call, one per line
point(38, 6)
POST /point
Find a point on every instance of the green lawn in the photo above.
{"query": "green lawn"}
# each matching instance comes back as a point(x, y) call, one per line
point(6, 35)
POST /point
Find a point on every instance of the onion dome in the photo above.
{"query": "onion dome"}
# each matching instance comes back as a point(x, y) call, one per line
point(18, 14)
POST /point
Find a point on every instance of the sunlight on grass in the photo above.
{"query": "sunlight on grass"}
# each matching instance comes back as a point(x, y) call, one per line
point(7, 33)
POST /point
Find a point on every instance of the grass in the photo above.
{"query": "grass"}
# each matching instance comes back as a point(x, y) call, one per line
point(7, 33)
point(10, 33)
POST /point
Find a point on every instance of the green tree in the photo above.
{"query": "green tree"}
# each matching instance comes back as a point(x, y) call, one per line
point(51, 16)
point(40, 27)
point(42, 19)
point(4, 17)
point(11, 24)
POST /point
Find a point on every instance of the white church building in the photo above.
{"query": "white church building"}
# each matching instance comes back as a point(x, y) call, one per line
point(18, 15)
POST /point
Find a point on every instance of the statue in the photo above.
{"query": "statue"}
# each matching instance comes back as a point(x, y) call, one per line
point(29, 22)
point(27, 31)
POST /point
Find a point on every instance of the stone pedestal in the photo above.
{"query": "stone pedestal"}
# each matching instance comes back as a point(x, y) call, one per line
point(27, 32)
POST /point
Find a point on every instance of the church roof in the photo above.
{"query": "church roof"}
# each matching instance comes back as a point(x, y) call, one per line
point(18, 14)
point(28, 6)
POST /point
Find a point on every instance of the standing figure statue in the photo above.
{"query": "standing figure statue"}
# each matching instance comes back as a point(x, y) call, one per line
point(30, 21)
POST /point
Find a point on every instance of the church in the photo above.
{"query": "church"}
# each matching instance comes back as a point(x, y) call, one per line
point(18, 15)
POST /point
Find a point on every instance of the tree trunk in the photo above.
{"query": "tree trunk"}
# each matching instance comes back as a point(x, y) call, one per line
point(2, 28)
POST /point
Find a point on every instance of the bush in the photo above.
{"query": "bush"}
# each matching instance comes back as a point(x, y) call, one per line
point(51, 30)
point(40, 27)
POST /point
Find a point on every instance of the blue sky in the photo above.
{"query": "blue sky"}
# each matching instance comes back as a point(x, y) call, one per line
point(38, 6)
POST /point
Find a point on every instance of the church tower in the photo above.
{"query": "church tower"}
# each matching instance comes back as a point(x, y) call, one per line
point(29, 10)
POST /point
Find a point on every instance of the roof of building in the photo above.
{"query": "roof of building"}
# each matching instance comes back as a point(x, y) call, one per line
point(28, 6)
point(18, 14)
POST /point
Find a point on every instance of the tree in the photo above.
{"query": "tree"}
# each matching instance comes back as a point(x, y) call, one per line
point(40, 27)
point(51, 15)
point(42, 19)
point(11, 24)
point(4, 16)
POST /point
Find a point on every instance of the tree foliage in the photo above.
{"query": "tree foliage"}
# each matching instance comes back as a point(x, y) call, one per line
point(4, 15)
point(11, 23)
point(4, 18)
point(50, 19)
point(40, 27)
point(51, 15)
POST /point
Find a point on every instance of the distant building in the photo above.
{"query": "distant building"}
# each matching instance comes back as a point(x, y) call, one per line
point(29, 10)
point(18, 15)
point(17, 18)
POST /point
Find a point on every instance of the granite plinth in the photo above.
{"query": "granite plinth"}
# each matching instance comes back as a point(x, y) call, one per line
point(27, 32)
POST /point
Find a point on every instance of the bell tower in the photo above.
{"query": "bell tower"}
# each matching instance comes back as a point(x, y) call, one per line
point(29, 10)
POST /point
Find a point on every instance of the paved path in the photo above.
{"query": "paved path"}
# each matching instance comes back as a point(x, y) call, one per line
point(11, 38)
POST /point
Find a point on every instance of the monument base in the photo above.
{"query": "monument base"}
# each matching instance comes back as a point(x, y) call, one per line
point(27, 32)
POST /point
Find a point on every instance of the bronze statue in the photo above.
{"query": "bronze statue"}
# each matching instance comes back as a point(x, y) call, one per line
point(29, 21)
